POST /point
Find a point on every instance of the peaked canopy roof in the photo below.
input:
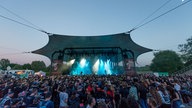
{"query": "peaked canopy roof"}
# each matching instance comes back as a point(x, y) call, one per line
point(60, 42)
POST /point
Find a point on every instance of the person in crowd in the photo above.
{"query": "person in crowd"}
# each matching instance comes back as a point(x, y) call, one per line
point(117, 98)
point(174, 96)
point(30, 98)
point(7, 100)
point(91, 102)
point(63, 96)
point(165, 97)
point(126, 91)
point(102, 104)
point(133, 91)
point(177, 86)
point(123, 103)
point(154, 92)
point(47, 103)
point(74, 101)
point(152, 103)
point(143, 91)
point(89, 89)
point(110, 96)
point(55, 95)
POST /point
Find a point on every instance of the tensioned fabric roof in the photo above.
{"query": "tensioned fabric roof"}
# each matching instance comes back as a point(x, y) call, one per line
point(60, 42)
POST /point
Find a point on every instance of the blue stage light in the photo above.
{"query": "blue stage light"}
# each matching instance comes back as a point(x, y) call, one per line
point(83, 62)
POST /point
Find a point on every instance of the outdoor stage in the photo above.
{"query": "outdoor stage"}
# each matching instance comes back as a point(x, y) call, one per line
point(87, 61)
point(99, 55)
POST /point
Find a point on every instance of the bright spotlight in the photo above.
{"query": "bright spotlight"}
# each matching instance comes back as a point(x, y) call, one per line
point(108, 68)
point(72, 61)
point(82, 62)
point(69, 63)
point(96, 66)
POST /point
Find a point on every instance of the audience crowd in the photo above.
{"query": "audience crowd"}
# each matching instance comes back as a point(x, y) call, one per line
point(121, 91)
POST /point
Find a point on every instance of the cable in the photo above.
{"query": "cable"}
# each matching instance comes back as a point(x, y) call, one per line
point(152, 13)
point(19, 17)
point(23, 24)
point(159, 16)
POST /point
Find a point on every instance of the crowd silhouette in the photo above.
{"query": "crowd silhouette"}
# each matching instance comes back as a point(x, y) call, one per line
point(119, 91)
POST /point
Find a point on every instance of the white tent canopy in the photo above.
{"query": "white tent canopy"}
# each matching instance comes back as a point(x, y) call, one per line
point(40, 73)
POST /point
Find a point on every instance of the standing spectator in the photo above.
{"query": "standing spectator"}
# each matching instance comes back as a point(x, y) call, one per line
point(123, 103)
point(91, 102)
point(154, 92)
point(7, 101)
point(143, 90)
point(165, 98)
point(175, 99)
point(55, 95)
point(110, 96)
point(102, 105)
point(133, 93)
point(47, 103)
point(63, 96)
point(29, 99)
point(152, 103)
point(124, 90)
point(177, 87)
point(133, 103)
point(74, 101)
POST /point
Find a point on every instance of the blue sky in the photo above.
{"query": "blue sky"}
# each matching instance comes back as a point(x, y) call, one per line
point(91, 17)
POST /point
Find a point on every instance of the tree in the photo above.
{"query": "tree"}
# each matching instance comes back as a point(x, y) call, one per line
point(186, 50)
point(38, 65)
point(166, 61)
point(48, 68)
point(4, 63)
point(12, 65)
point(27, 66)
point(18, 67)
point(144, 68)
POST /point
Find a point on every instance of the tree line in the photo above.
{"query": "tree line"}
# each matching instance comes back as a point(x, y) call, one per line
point(170, 61)
point(35, 65)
